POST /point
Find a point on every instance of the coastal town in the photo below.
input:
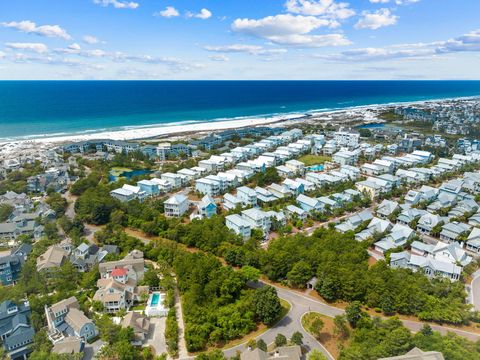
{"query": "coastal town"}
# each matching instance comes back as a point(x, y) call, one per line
point(303, 239)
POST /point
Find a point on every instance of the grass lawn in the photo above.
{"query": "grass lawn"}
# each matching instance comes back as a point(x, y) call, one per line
point(327, 335)
point(139, 307)
point(310, 160)
point(117, 171)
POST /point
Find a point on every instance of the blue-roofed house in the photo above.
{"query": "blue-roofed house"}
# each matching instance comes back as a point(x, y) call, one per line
point(207, 207)
point(309, 204)
point(15, 330)
point(11, 262)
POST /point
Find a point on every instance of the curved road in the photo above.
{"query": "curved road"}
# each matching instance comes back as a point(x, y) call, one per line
point(292, 321)
point(300, 304)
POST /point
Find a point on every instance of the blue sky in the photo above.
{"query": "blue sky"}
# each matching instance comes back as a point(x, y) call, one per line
point(239, 39)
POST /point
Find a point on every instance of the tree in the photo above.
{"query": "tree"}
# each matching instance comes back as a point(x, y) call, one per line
point(249, 273)
point(5, 211)
point(316, 355)
point(365, 132)
point(316, 326)
point(354, 313)
point(280, 340)
point(299, 275)
point(297, 338)
point(267, 305)
point(341, 327)
point(262, 345)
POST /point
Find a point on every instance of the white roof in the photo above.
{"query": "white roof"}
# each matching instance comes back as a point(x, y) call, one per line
point(176, 199)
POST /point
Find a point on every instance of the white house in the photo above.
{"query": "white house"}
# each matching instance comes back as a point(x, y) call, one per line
point(257, 219)
point(176, 205)
point(238, 225)
point(231, 201)
point(247, 196)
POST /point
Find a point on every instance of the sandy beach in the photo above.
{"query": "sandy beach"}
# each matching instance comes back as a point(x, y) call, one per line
point(156, 131)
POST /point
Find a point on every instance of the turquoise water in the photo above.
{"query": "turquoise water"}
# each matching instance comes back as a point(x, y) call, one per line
point(155, 299)
point(316, 168)
point(30, 109)
point(129, 174)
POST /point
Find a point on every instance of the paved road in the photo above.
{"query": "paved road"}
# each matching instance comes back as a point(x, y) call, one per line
point(475, 290)
point(300, 304)
point(292, 322)
point(304, 301)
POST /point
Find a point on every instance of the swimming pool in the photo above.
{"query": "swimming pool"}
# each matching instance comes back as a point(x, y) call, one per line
point(316, 167)
point(155, 299)
point(155, 306)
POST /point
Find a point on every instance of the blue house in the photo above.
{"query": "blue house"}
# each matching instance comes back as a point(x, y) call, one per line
point(150, 187)
point(11, 263)
point(207, 207)
point(15, 330)
point(309, 204)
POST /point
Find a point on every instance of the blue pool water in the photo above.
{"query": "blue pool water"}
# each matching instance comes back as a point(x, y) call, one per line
point(29, 109)
point(155, 299)
point(316, 168)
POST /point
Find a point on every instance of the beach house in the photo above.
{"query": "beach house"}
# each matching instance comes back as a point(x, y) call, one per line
point(65, 319)
point(176, 205)
point(238, 225)
point(247, 196)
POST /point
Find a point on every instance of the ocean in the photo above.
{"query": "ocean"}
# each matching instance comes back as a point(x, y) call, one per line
point(33, 108)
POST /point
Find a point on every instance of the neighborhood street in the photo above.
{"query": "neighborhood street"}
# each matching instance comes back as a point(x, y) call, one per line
point(301, 304)
point(475, 290)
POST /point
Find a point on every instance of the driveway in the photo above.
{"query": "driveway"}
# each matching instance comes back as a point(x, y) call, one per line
point(156, 337)
point(92, 349)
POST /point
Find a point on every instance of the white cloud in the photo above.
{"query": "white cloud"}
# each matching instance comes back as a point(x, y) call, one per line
point(118, 4)
point(35, 47)
point(244, 48)
point(169, 12)
point(203, 14)
point(325, 8)
point(30, 27)
point(469, 42)
point(75, 47)
point(293, 30)
point(379, 1)
point(219, 58)
point(312, 40)
point(2, 54)
point(280, 25)
point(90, 39)
point(376, 20)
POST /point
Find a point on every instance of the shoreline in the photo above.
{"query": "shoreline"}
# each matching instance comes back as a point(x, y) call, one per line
point(185, 129)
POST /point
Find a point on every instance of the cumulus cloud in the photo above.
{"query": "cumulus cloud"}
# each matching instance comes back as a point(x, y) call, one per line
point(219, 58)
point(30, 27)
point(203, 14)
point(376, 20)
point(325, 8)
point(292, 30)
point(90, 39)
point(2, 54)
point(280, 25)
point(169, 12)
point(35, 47)
point(244, 48)
point(118, 4)
point(469, 42)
